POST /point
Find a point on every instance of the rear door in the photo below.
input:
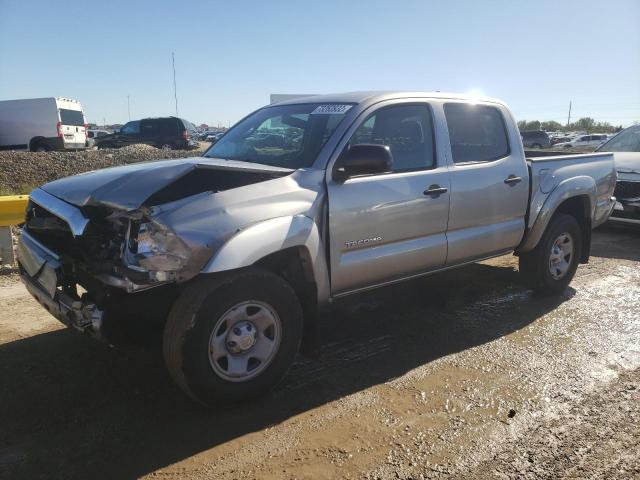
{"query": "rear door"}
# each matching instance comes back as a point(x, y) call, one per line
point(149, 131)
point(387, 226)
point(72, 126)
point(489, 182)
point(169, 132)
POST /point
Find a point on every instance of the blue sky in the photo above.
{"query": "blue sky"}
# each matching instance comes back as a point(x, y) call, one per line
point(535, 55)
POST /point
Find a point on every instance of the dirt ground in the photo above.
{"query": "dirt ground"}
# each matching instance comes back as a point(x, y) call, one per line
point(463, 374)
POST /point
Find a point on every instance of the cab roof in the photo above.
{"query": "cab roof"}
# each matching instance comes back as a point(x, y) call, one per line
point(379, 96)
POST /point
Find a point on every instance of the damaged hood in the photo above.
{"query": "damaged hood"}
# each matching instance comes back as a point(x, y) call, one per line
point(130, 186)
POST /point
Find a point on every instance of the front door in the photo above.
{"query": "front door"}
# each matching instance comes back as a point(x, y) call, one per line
point(391, 225)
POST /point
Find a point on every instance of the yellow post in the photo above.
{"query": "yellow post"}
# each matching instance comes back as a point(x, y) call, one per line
point(12, 209)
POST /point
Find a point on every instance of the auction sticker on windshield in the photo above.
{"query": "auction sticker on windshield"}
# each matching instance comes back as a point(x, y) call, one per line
point(331, 109)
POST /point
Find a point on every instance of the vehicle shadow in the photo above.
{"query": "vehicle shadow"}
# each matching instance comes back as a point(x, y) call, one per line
point(616, 240)
point(73, 408)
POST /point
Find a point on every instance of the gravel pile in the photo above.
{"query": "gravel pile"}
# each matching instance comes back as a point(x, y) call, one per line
point(20, 172)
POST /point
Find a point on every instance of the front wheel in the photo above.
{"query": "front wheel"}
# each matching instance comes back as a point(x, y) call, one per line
point(232, 337)
point(549, 268)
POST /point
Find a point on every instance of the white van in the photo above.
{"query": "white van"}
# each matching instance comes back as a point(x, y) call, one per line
point(42, 124)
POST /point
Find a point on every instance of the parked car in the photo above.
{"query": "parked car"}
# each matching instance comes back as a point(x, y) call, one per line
point(626, 148)
point(238, 249)
point(213, 137)
point(584, 141)
point(563, 139)
point(168, 133)
point(535, 139)
point(42, 124)
point(94, 133)
point(205, 134)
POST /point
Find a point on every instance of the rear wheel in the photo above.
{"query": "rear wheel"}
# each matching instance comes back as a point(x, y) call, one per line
point(536, 145)
point(166, 146)
point(230, 338)
point(39, 147)
point(550, 267)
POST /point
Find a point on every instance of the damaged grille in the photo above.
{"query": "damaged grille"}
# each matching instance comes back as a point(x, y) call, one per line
point(51, 230)
point(97, 249)
point(627, 190)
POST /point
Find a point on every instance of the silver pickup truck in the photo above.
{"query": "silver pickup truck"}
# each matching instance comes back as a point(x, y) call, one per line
point(234, 253)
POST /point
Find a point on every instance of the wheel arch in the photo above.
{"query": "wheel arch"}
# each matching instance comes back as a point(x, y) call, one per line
point(289, 246)
point(574, 196)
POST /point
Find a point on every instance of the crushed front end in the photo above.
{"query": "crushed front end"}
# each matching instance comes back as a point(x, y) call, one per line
point(627, 194)
point(82, 264)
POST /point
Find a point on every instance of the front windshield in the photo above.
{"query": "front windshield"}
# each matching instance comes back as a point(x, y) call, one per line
point(131, 128)
point(626, 141)
point(288, 136)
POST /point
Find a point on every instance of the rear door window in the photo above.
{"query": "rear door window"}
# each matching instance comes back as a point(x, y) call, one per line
point(148, 128)
point(71, 117)
point(168, 126)
point(477, 133)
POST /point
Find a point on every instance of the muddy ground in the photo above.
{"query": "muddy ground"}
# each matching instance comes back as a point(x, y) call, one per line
point(463, 374)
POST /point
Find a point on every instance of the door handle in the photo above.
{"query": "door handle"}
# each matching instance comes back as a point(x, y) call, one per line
point(512, 180)
point(435, 190)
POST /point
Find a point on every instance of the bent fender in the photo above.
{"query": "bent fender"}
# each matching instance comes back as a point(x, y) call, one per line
point(264, 238)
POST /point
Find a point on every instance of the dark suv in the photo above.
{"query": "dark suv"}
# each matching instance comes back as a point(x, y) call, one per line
point(535, 139)
point(168, 133)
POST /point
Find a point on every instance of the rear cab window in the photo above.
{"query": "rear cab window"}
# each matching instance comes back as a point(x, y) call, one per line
point(71, 117)
point(477, 133)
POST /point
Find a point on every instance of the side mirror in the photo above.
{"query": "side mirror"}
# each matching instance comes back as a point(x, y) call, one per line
point(363, 159)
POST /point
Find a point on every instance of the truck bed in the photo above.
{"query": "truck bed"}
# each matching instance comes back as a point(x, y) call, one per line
point(548, 171)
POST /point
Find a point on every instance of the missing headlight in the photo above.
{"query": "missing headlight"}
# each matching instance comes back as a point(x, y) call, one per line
point(153, 247)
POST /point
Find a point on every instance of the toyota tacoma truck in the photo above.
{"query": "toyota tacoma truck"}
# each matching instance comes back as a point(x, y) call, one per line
point(302, 202)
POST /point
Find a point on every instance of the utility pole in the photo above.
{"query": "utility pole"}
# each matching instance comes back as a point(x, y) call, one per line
point(128, 108)
point(569, 117)
point(175, 91)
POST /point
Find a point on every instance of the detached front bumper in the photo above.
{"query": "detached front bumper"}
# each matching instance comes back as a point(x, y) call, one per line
point(41, 273)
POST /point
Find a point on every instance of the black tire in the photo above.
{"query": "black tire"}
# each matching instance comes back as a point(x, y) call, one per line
point(191, 322)
point(102, 146)
point(536, 145)
point(40, 147)
point(166, 146)
point(535, 266)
